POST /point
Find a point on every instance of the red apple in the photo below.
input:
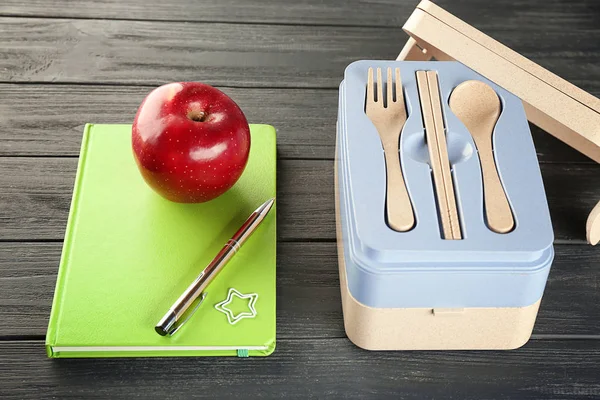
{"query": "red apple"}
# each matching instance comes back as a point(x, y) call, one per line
point(191, 141)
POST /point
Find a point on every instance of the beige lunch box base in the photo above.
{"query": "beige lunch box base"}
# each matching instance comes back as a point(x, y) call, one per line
point(501, 328)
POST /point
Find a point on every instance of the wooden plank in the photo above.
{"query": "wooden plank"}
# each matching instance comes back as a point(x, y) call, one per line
point(152, 53)
point(304, 118)
point(36, 194)
point(266, 56)
point(312, 368)
point(329, 12)
point(390, 13)
point(308, 293)
point(49, 119)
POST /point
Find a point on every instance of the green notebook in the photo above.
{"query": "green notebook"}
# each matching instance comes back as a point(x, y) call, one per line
point(129, 254)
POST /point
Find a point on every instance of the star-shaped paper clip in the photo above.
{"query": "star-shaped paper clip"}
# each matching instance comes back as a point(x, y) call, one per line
point(231, 317)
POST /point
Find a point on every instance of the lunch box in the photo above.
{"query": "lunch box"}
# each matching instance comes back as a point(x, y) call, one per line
point(415, 289)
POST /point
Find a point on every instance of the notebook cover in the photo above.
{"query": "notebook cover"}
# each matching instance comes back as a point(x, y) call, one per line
point(128, 255)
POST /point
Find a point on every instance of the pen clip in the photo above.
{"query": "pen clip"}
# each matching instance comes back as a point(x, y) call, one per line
point(178, 325)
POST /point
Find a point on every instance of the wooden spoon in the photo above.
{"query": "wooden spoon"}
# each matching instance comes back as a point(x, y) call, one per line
point(477, 105)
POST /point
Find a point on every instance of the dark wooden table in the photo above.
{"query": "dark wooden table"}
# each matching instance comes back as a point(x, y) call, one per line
point(64, 63)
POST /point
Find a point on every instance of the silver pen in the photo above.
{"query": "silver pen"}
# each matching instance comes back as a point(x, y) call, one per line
point(171, 322)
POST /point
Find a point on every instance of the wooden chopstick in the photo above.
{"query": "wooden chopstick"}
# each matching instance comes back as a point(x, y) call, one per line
point(438, 180)
point(438, 119)
point(438, 153)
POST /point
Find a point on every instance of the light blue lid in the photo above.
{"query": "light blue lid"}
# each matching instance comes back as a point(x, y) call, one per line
point(418, 268)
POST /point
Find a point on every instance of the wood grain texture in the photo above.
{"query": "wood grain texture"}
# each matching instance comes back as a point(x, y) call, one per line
point(116, 62)
point(304, 118)
point(308, 291)
point(152, 53)
point(36, 194)
point(313, 368)
point(315, 12)
point(49, 119)
point(391, 13)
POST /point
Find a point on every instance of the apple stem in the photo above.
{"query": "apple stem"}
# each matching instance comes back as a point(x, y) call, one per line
point(198, 116)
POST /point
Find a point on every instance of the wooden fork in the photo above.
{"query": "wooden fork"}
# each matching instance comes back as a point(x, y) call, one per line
point(389, 119)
